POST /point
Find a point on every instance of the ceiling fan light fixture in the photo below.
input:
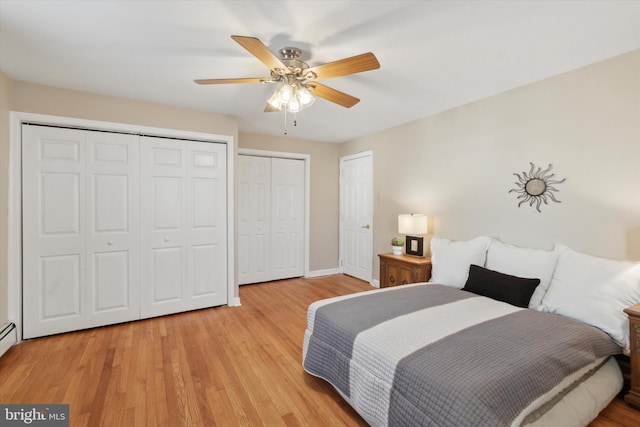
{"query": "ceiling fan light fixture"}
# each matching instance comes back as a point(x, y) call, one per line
point(294, 105)
point(305, 96)
point(291, 97)
point(285, 93)
point(274, 101)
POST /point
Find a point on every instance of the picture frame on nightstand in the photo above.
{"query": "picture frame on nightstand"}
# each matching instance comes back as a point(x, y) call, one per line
point(415, 246)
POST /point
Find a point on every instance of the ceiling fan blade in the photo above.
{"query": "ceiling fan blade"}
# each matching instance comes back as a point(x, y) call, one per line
point(343, 67)
point(260, 51)
point(270, 108)
point(224, 81)
point(333, 95)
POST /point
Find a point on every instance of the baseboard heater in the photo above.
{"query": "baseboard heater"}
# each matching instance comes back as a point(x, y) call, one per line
point(8, 337)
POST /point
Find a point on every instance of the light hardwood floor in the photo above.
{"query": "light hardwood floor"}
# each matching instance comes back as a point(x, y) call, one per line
point(227, 366)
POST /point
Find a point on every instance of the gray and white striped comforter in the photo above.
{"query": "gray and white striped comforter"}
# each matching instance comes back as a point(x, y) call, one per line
point(430, 355)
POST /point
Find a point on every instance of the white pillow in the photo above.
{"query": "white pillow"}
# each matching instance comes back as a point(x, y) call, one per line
point(595, 291)
point(523, 262)
point(450, 261)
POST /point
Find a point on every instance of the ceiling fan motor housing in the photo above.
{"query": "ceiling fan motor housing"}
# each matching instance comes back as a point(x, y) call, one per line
point(289, 56)
point(289, 53)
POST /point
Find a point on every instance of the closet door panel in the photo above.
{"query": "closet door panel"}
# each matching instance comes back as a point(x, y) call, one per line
point(287, 217)
point(271, 218)
point(163, 203)
point(254, 217)
point(207, 224)
point(113, 231)
point(164, 239)
point(53, 179)
point(167, 201)
point(111, 282)
point(60, 200)
point(203, 269)
point(60, 287)
point(183, 225)
point(80, 216)
point(167, 276)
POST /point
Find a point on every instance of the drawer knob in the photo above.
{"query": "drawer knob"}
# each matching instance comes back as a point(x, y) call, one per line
point(392, 279)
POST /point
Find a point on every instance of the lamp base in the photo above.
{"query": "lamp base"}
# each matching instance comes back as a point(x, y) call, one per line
point(415, 246)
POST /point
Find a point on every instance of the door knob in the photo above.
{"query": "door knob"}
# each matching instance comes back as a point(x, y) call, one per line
point(366, 226)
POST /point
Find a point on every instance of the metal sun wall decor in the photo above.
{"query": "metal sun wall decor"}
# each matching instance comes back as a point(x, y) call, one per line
point(536, 187)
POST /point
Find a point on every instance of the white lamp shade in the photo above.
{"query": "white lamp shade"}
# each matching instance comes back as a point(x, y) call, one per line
point(412, 224)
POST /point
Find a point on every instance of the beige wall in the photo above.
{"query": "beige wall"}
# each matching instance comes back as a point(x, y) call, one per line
point(5, 108)
point(33, 98)
point(324, 201)
point(457, 166)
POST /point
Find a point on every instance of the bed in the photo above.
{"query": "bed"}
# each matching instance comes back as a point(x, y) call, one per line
point(499, 336)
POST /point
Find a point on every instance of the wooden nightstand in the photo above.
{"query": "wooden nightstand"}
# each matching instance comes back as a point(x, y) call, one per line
point(633, 397)
point(398, 270)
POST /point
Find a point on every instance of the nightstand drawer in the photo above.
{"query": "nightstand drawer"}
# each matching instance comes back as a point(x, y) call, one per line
point(396, 270)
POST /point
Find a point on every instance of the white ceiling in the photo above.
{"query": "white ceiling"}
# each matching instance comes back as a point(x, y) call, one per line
point(434, 55)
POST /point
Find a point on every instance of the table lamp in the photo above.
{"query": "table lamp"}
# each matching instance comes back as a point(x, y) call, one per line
point(413, 225)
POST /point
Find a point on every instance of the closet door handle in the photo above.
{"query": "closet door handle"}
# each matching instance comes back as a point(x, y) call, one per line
point(366, 226)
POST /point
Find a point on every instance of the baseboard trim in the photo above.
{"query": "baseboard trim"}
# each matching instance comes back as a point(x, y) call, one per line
point(8, 337)
point(327, 272)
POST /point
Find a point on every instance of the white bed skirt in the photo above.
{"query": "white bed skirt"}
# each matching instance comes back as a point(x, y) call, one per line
point(583, 404)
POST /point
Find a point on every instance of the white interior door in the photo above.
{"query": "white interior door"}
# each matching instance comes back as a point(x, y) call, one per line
point(184, 255)
point(356, 215)
point(254, 218)
point(287, 218)
point(271, 220)
point(80, 229)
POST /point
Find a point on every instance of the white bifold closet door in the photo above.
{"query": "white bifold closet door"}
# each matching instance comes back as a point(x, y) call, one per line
point(184, 219)
point(118, 227)
point(271, 212)
point(81, 252)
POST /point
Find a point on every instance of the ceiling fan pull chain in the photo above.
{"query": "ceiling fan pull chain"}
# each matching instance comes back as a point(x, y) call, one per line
point(295, 121)
point(285, 121)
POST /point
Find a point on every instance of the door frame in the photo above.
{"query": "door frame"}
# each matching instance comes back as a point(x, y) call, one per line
point(368, 153)
point(307, 189)
point(14, 262)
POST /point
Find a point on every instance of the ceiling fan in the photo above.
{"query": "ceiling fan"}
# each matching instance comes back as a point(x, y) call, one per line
point(298, 83)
